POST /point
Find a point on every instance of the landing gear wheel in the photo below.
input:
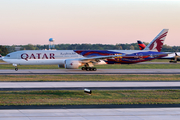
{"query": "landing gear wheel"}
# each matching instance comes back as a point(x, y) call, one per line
point(87, 69)
point(83, 68)
point(94, 69)
point(91, 69)
point(16, 69)
point(173, 61)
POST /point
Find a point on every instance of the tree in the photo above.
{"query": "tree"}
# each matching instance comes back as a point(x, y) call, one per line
point(29, 47)
point(131, 47)
point(3, 50)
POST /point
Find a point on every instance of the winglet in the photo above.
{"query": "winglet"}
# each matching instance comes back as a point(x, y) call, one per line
point(157, 43)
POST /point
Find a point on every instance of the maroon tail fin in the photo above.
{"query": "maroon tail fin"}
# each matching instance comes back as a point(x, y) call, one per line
point(157, 43)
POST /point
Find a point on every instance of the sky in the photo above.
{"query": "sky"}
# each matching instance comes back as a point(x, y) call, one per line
point(88, 21)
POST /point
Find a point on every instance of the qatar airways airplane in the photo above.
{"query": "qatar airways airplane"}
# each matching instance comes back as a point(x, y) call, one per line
point(73, 59)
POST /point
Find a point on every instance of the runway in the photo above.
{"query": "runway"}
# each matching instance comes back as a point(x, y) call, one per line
point(89, 85)
point(92, 114)
point(99, 71)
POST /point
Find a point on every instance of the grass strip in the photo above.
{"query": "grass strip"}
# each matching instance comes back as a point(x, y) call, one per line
point(56, 97)
point(113, 66)
point(89, 78)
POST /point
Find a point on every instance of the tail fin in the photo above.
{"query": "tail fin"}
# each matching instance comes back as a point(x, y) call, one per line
point(157, 43)
point(141, 45)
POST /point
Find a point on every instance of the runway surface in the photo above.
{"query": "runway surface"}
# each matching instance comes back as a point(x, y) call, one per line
point(99, 71)
point(92, 114)
point(90, 85)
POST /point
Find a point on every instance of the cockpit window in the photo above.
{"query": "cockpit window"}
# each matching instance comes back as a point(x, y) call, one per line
point(8, 55)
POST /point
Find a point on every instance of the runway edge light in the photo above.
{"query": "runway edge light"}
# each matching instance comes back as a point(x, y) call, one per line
point(87, 91)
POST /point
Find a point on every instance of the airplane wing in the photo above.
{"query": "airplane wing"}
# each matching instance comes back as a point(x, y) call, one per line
point(96, 58)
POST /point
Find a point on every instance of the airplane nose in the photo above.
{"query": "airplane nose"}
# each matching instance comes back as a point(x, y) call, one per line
point(3, 58)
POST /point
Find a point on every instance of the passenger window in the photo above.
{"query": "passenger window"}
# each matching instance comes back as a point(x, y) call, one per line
point(8, 55)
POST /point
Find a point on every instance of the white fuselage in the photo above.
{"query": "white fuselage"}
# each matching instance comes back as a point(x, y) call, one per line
point(49, 57)
point(40, 57)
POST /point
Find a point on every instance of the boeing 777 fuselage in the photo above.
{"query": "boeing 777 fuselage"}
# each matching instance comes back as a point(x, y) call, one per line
point(72, 59)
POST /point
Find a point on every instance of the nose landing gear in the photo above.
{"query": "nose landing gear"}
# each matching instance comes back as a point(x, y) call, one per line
point(16, 68)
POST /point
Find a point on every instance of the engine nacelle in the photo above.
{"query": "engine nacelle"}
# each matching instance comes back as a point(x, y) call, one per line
point(72, 64)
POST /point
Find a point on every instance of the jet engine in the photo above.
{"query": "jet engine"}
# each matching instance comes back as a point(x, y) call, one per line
point(72, 64)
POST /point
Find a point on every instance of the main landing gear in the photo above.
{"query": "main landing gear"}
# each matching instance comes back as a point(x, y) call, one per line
point(173, 61)
point(89, 68)
point(176, 57)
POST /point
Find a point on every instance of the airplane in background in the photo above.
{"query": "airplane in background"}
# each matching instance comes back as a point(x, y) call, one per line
point(1, 57)
point(141, 45)
point(174, 57)
point(73, 59)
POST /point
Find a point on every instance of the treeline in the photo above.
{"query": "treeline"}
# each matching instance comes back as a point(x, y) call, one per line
point(133, 46)
point(3, 50)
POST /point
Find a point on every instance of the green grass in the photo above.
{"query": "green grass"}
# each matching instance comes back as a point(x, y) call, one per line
point(114, 66)
point(56, 97)
point(160, 60)
point(140, 66)
point(89, 77)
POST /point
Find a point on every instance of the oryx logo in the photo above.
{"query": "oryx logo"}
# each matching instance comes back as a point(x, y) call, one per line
point(158, 43)
point(24, 56)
